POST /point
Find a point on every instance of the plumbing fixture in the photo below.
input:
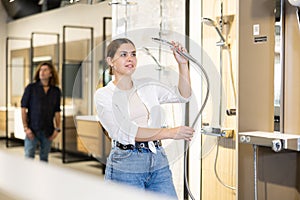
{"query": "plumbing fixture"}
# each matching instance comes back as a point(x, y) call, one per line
point(224, 22)
point(191, 58)
point(231, 112)
point(276, 145)
point(296, 3)
point(184, 54)
point(219, 132)
point(210, 22)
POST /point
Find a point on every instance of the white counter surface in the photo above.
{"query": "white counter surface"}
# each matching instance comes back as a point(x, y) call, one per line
point(271, 139)
point(34, 180)
point(87, 118)
point(3, 108)
point(271, 135)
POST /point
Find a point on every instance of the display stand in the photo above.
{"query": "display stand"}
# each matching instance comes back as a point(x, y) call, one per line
point(16, 68)
point(105, 79)
point(276, 141)
point(56, 53)
point(21, 61)
point(76, 68)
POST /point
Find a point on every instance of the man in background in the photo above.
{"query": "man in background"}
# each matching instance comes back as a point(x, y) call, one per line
point(41, 111)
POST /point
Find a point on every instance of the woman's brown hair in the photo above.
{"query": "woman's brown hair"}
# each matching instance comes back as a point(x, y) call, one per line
point(54, 81)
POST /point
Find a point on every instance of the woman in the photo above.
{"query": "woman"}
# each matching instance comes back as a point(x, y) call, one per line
point(129, 111)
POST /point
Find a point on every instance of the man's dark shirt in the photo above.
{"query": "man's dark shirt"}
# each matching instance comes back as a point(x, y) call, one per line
point(41, 107)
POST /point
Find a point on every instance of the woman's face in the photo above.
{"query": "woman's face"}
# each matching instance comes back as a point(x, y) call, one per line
point(124, 61)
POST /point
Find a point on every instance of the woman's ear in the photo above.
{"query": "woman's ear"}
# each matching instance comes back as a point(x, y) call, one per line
point(109, 61)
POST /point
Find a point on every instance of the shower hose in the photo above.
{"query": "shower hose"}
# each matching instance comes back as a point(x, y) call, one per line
point(192, 59)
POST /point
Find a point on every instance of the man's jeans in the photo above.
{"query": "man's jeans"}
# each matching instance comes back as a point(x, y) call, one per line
point(45, 146)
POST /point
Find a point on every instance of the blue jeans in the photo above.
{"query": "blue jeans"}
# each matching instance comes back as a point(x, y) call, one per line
point(45, 146)
point(142, 169)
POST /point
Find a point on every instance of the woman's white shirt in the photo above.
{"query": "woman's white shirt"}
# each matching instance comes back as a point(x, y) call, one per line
point(113, 110)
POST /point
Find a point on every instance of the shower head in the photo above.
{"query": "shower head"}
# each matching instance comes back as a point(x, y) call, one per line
point(209, 21)
point(213, 23)
point(169, 44)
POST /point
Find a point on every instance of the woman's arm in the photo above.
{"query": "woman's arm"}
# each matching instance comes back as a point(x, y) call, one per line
point(184, 83)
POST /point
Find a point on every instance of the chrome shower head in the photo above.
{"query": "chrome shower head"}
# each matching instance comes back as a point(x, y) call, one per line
point(213, 23)
point(209, 21)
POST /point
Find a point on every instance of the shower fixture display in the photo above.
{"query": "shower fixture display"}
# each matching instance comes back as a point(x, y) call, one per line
point(206, 130)
point(225, 25)
point(187, 56)
point(213, 131)
point(210, 22)
point(223, 30)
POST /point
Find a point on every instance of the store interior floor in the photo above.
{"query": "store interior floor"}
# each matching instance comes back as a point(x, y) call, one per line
point(90, 166)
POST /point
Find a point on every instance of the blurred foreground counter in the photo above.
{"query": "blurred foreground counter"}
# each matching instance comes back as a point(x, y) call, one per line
point(27, 179)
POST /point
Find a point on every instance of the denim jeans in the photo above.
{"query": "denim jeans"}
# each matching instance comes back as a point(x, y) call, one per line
point(142, 169)
point(45, 146)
